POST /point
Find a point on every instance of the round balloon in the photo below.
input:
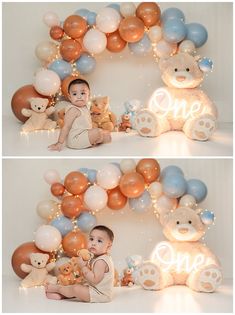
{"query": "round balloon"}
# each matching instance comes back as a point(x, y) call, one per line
point(47, 238)
point(51, 177)
point(75, 26)
point(187, 46)
point(116, 200)
point(174, 31)
point(132, 185)
point(174, 186)
point(51, 19)
point(63, 224)
point(149, 13)
point(56, 32)
point(71, 206)
point(142, 47)
point(91, 18)
point(95, 198)
point(47, 209)
point(73, 242)
point(127, 165)
point(197, 33)
point(205, 64)
point(171, 14)
point(115, 43)
point(164, 49)
point(82, 12)
point(171, 170)
point(131, 29)
point(47, 82)
point(107, 20)
point(57, 189)
point(94, 41)
point(86, 63)
point(76, 183)
point(142, 203)
point(197, 189)
point(70, 50)
point(187, 201)
point(108, 176)
point(61, 67)
point(155, 189)
point(155, 33)
point(165, 204)
point(127, 9)
point(86, 221)
point(149, 169)
point(46, 51)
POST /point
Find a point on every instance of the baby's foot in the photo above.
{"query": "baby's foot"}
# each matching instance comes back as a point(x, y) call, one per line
point(52, 288)
point(106, 137)
point(54, 296)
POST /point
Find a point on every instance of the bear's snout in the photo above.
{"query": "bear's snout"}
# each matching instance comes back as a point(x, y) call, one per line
point(180, 78)
point(183, 230)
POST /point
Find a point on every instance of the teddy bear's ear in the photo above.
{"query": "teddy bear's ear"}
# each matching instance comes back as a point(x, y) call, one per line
point(45, 101)
point(163, 62)
point(197, 58)
point(46, 256)
point(31, 99)
point(198, 210)
point(31, 256)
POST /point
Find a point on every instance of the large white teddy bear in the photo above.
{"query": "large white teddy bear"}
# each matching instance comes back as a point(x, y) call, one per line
point(181, 105)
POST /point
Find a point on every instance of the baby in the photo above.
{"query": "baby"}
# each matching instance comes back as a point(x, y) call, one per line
point(99, 275)
point(77, 130)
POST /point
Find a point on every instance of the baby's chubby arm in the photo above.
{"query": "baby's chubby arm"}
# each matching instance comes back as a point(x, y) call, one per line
point(97, 274)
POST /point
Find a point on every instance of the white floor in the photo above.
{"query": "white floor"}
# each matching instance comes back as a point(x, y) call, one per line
point(177, 299)
point(171, 144)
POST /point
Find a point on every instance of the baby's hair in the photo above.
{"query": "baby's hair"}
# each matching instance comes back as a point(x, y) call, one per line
point(78, 81)
point(106, 229)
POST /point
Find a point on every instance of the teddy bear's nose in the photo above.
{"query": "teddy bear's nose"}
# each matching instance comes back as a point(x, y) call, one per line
point(183, 230)
point(180, 78)
point(39, 263)
point(39, 108)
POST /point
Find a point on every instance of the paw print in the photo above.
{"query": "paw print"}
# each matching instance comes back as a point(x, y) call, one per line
point(149, 276)
point(203, 128)
point(146, 123)
point(210, 279)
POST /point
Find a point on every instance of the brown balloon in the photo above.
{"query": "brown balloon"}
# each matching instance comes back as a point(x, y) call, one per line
point(57, 189)
point(132, 185)
point(76, 183)
point(115, 43)
point(75, 26)
point(71, 206)
point(149, 169)
point(21, 100)
point(131, 29)
point(116, 200)
point(73, 242)
point(70, 50)
point(56, 32)
point(149, 13)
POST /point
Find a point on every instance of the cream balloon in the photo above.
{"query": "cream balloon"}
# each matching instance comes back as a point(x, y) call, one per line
point(108, 177)
point(164, 49)
point(155, 33)
point(47, 209)
point(94, 41)
point(127, 9)
point(95, 198)
point(47, 238)
point(155, 189)
point(52, 177)
point(127, 166)
point(107, 20)
point(188, 201)
point(187, 46)
point(46, 51)
point(165, 204)
point(51, 19)
point(47, 82)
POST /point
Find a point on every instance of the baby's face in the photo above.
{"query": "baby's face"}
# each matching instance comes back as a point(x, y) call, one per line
point(79, 94)
point(99, 242)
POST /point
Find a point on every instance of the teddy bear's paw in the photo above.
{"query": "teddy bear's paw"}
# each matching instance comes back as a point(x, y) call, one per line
point(210, 278)
point(203, 128)
point(149, 276)
point(146, 123)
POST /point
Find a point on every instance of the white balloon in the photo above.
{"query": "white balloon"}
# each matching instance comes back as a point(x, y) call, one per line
point(164, 49)
point(188, 201)
point(127, 166)
point(165, 204)
point(47, 238)
point(187, 46)
point(127, 9)
point(155, 33)
point(47, 209)
point(107, 20)
point(51, 19)
point(108, 177)
point(51, 177)
point(94, 41)
point(47, 82)
point(155, 189)
point(95, 198)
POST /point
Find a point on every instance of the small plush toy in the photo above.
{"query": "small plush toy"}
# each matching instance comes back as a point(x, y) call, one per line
point(127, 279)
point(181, 105)
point(132, 107)
point(59, 112)
point(85, 254)
point(66, 276)
point(125, 124)
point(38, 271)
point(101, 116)
point(116, 282)
point(38, 115)
point(183, 259)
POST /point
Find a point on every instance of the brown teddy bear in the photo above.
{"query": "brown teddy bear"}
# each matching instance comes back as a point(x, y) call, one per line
point(127, 279)
point(85, 255)
point(101, 116)
point(66, 276)
point(125, 124)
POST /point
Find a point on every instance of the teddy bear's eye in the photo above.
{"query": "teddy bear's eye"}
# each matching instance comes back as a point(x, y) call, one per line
point(187, 69)
point(176, 69)
point(190, 222)
point(178, 222)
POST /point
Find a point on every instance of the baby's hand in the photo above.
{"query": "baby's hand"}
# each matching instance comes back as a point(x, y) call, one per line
point(80, 262)
point(56, 147)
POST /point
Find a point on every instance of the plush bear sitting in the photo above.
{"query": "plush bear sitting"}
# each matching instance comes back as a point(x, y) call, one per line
point(101, 116)
point(38, 115)
point(125, 124)
point(38, 271)
point(183, 259)
point(86, 256)
point(66, 276)
point(127, 279)
point(181, 105)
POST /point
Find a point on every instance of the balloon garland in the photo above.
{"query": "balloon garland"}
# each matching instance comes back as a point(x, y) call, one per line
point(85, 34)
point(85, 192)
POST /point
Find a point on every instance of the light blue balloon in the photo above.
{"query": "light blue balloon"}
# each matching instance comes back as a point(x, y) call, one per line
point(115, 6)
point(63, 224)
point(141, 47)
point(207, 217)
point(142, 203)
point(83, 170)
point(205, 64)
point(86, 221)
point(91, 18)
point(174, 31)
point(91, 174)
point(61, 67)
point(172, 13)
point(86, 63)
point(82, 12)
point(197, 33)
point(174, 186)
point(197, 189)
point(171, 170)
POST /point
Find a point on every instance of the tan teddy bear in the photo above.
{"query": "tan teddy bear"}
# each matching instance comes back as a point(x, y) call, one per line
point(38, 115)
point(101, 116)
point(38, 271)
point(127, 279)
point(183, 259)
point(125, 124)
point(66, 276)
point(85, 255)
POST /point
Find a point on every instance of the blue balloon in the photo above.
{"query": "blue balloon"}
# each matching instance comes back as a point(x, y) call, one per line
point(197, 33)
point(86, 221)
point(197, 189)
point(63, 224)
point(83, 13)
point(174, 186)
point(141, 47)
point(171, 170)
point(142, 203)
point(172, 13)
point(91, 18)
point(86, 63)
point(91, 174)
point(61, 67)
point(207, 217)
point(174, 31)
point(115, 6)
point(83, 170)
point(205, 64)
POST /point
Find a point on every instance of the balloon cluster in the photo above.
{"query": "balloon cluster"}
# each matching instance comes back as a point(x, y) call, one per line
point(85, 34)
point(83, 193)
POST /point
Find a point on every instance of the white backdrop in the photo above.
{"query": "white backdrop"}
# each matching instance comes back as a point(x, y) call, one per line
point(121, 76)
point(24, 188)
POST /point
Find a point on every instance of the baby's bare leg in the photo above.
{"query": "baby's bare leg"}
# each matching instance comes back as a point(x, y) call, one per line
point(97, 135)
point(71, 291)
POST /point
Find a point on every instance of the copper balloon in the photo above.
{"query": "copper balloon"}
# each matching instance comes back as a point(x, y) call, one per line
point(57, 189)
point(116, 200)
point(131, 29)
point(71, 206)
point(76, 183)
point(132, 185)
point(149, 13)
point(75, 26)
point(56, 32)
point(115, 43)
point(70, 50)
point(149, 169)
point(21, 99)
point(73, 242)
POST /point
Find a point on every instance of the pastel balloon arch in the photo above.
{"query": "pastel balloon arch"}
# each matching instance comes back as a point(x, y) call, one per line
point(74, 44)
point(84, 192)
